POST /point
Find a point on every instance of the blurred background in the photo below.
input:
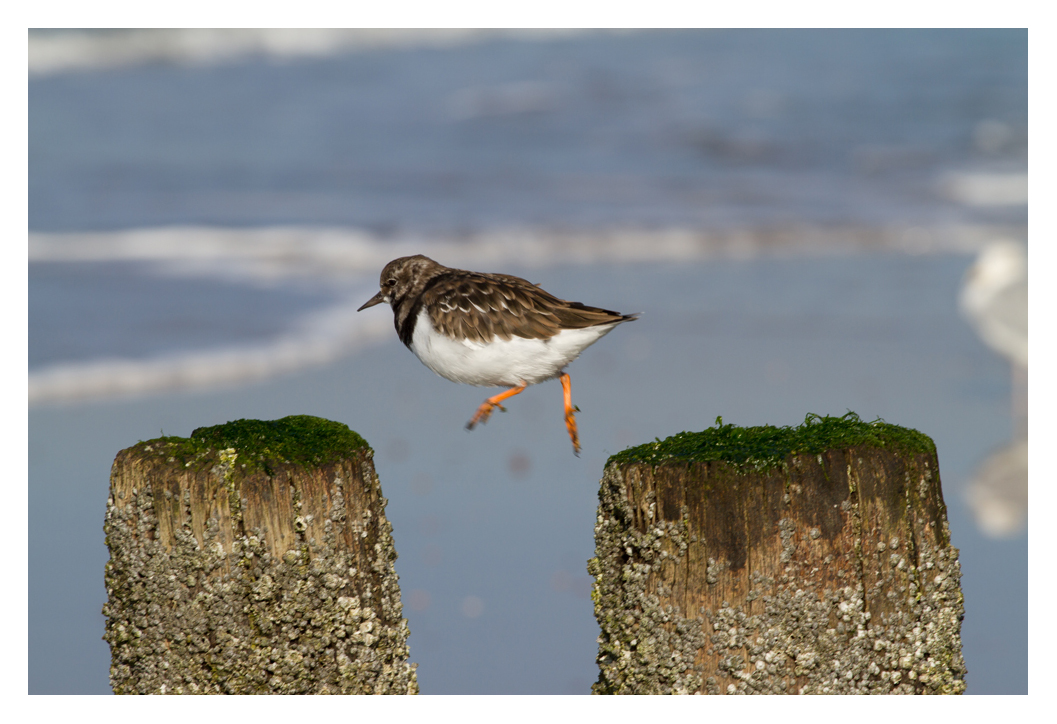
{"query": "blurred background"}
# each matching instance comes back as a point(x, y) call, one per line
point(809, 222)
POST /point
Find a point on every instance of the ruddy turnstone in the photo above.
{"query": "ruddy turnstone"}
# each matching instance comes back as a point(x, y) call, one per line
point(489, 330)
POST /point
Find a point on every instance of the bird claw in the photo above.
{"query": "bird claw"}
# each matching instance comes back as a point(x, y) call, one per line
point(481, 416)
point(574, 435)
point(485, 410)
point(483, 413)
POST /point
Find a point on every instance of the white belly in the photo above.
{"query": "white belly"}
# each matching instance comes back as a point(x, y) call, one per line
point(503, 362)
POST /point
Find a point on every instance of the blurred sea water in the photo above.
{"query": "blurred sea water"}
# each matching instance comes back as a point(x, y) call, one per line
point(207, 211)
point(919, 133)
point(716, 128)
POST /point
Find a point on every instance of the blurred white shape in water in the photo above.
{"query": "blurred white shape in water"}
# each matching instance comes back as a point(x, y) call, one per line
point(987, 189)
point(68, 50)
point(998, 494)
point(994, 298)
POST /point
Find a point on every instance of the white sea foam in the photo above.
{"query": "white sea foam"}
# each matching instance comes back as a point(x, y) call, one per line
point(319, 338)
point(986, 189)
point(53, 52)
point(294, 251)
point(350, 259)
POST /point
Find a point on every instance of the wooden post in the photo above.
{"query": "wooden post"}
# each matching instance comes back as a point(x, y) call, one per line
point(768, 560)
point(253, 557)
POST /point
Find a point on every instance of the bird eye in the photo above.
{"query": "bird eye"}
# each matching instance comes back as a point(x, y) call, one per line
point(391, 282)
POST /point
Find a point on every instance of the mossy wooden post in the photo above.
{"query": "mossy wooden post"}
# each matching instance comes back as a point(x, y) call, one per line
point(762, 560)
point(253, 557)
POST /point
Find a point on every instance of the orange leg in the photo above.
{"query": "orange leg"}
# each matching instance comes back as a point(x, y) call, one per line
point(570, 421)
point(485, 410)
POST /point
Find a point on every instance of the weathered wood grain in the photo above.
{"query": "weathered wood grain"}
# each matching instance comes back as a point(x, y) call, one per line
point(828, 573)
point(233, 572)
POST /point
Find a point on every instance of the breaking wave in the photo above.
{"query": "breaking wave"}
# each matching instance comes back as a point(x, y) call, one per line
point(351, 259)
point(81, 50)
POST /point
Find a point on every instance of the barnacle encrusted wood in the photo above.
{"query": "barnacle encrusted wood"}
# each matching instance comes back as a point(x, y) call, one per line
point(814, 559)
point(253, 557)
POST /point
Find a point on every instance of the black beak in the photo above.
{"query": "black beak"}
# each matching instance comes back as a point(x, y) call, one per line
point(376, 299)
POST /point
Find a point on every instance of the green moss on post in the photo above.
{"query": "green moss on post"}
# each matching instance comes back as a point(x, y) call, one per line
point(813, 559)
point(253, 557)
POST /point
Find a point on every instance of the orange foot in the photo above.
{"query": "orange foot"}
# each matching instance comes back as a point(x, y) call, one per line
point(570, 421)
point(485, 410)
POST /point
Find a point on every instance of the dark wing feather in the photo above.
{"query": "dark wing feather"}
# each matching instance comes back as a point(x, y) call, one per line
point(504, 306)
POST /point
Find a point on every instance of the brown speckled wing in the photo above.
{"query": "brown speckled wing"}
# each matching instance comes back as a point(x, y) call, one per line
point(478, 307)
